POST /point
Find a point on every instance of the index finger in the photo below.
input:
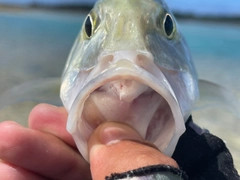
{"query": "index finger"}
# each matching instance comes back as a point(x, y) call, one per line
point(41, 153)
point(51, 119)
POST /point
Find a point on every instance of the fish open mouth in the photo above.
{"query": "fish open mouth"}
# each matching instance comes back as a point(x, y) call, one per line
point(143, 109)
point(132, 96)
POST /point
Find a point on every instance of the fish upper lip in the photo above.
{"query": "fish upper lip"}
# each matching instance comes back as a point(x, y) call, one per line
point(115, 73)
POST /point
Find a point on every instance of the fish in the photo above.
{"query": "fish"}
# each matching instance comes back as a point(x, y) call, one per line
point(131, 64)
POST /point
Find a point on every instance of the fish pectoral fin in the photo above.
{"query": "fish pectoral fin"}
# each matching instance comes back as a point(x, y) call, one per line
point(213, 95)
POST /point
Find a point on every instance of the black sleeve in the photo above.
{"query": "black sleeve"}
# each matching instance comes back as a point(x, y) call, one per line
point(204, 156)
point(155, 172)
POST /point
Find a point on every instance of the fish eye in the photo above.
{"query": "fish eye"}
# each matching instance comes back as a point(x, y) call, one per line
point(168, 26)
point(88, 26)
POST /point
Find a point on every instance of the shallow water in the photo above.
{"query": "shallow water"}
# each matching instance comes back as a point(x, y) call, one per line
point(34, 46)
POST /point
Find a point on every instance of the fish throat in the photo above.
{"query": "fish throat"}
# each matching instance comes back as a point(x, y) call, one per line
point(134, 103)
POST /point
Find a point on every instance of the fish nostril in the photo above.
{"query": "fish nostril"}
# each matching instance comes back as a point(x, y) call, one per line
point(143, 61)
point(106, 59)
point(141, 57)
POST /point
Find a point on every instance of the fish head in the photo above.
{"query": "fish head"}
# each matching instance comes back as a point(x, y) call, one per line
point(130, 64)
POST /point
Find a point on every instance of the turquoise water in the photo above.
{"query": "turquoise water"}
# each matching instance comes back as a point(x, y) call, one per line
point(212, 39)
point(35, 44)
point(215, 50)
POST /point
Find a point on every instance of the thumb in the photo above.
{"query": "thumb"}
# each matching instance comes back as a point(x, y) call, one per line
point(117, 148)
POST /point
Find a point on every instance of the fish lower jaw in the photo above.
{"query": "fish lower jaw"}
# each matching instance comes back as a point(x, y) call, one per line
point(144, 110)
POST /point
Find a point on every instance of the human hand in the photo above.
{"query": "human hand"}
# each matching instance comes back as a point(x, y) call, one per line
point(46, 150)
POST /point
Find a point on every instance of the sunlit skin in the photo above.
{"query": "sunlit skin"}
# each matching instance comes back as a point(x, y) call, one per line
point(46, 150)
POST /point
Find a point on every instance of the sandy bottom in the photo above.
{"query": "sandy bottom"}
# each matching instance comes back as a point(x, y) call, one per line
point(222, 118)
point(223, 124)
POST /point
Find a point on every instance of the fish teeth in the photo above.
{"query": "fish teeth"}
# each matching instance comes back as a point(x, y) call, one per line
point(128, 90)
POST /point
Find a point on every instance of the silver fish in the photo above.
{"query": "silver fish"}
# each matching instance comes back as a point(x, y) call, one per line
point(131, 64)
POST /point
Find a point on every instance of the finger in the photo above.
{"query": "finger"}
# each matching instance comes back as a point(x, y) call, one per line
point(51, 119)
point(117, 148)
point(39, 152)
point(11, 172)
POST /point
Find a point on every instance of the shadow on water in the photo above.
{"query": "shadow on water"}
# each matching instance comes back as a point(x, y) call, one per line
point(17, 103)
point(44, 90)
